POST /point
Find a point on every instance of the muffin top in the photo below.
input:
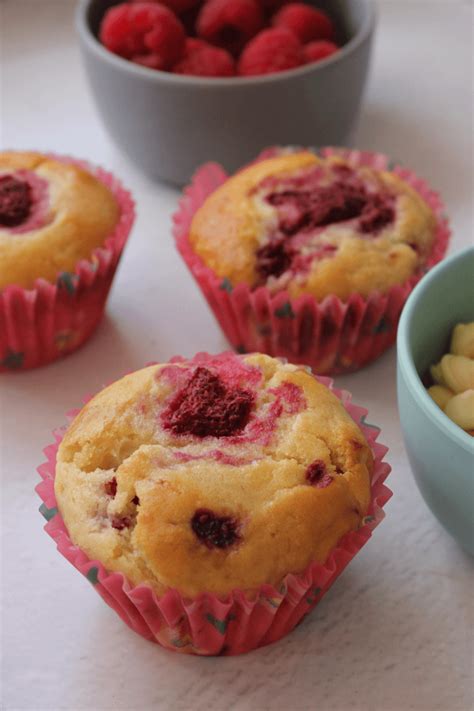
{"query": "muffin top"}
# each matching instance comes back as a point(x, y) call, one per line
point(52, 215)
point(213, 474)
point(312, 225)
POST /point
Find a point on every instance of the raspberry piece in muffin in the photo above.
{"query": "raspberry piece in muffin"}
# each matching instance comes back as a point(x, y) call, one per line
point(204, 60)
point(15, 201)
point(111, 487)
point(302, 210)
point(306, 22)
point(303, 224)
point(274, 258)
point(212, 513)
point(206, 407)
point(145, 32)
point(229, 23)
point(317, 475)
point(214, 531)
point(120, 522)
point(274, 50)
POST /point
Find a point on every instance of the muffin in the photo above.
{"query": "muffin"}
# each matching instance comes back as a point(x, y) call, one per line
point(331, 243)
point(219, 477)
point(63, 225)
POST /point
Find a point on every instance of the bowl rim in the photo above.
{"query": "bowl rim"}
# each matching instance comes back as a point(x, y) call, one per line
point(405, 359)
point(161, 77)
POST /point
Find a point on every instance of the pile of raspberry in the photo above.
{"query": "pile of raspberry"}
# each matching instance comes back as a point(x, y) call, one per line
point(218, 38)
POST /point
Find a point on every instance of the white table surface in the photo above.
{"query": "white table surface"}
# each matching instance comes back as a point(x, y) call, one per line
point(395, 632)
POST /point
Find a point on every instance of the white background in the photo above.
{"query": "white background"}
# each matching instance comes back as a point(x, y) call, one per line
point(395, 632)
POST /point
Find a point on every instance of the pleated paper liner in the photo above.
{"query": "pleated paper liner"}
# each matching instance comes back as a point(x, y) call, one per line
point(332, 336)
point(44, 323)
point(209, 625)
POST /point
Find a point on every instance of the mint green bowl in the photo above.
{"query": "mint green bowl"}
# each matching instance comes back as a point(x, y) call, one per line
point(441, 454)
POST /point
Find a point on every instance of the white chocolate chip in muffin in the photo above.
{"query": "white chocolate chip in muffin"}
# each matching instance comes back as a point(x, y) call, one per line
point(462, 340)
point(460, 409)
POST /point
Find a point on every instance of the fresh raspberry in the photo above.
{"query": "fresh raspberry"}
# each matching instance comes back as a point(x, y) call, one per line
point(15, 201)
point(317, 475)
point(273, 5)
point(203, 60)
point(305, 22)
point(229, 23)
point(215, 531)
point(273, 50)
point(152, 61)
point(177, 6)
point(189, 19)
point(319, 49)
point(144, 32)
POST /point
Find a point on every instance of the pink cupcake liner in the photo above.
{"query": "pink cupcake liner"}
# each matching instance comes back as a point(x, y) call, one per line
point(332, 336)
point(44, 323)
point(209, 625)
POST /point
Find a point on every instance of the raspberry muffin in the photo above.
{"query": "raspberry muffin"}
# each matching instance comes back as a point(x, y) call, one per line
point(339, 233)
point(314, 226)
point(63, 225)
point(52, 214)
point(220, 476)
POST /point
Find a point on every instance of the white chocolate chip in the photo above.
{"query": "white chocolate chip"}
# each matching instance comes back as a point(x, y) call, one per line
point(457, 372)
point(437, 374)
point(440, 395)
point(460, 409)
point(462, 340)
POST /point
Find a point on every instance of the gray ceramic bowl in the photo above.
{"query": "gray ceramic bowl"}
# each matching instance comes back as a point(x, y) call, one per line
point(441, 453)
point(169, 124)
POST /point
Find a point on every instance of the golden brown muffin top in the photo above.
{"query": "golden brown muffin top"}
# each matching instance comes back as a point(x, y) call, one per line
point(210, 475)
point(52, 215)
point(312, 225)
